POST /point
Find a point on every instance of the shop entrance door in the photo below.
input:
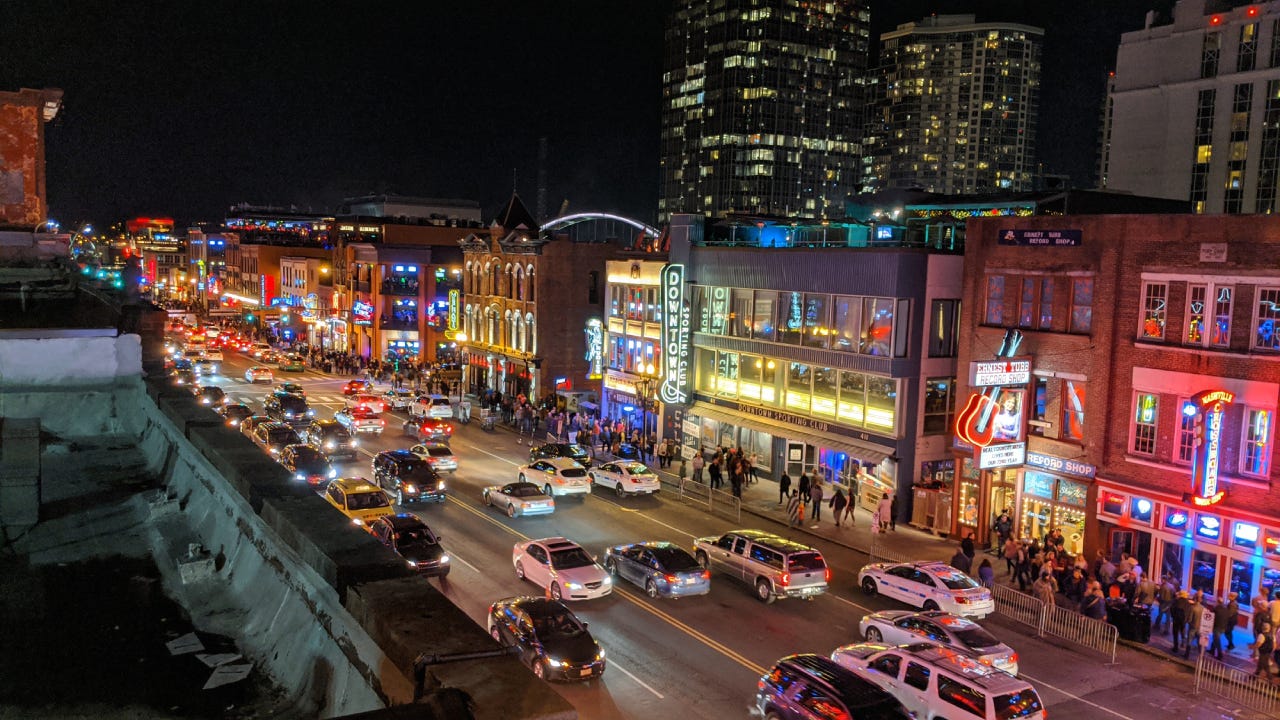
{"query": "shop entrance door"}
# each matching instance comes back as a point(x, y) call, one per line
point(795, 459)
point(1121, 542)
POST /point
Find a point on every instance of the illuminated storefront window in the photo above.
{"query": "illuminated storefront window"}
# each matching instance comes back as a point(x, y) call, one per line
point(1140, 509)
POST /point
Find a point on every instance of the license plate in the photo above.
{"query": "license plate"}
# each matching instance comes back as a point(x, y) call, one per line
point(585, 672)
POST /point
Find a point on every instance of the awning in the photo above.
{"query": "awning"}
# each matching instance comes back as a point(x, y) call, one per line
point(588, 405)
point(866, 452)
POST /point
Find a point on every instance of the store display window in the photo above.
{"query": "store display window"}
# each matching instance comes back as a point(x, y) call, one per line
point(1037, 484)
point(1209, 527)
point(1072, 493)
point(969, 504)
point(1113, 503)
point(1037, 517)
point(1245, 535)
point(1271, 544)
point(1270, 583)
point(1204, 571)
point(1172, 560)
point(1071, 521)
point(1242, 579)
point(1141, 509)
point(1176, 519)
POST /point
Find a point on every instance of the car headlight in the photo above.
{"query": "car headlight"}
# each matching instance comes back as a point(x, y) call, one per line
point(608, 580)
point(357, 521)
point(440, 486)
point(573, 586)
point(333, 473)
point(554, 663)
point(328, 445)
point(299, 476)
point(412, 564)
point(444, 559)
point(355, 442)
point(310, 412)
point(600, 655)
point(274, 451)
point(410, 488)
point(289, 415)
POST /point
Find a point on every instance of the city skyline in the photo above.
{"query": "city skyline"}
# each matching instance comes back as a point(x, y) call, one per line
point(168, 113)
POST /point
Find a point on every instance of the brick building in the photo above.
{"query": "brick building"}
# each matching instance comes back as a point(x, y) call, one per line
point(22, 173)
point(1148, 403)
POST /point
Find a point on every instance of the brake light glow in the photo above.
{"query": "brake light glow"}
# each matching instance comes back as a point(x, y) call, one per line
point(672, 579)
point(706, 574)
point(786, 579)
point(826, 572)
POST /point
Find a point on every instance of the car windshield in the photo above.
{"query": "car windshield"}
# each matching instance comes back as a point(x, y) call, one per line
point(573, 472)
point(306, 454)
point(576, 451)
point(975, 637)
point(417, 471)
point(639, 470)
point(561, 624)
point(525, 490)
point(291, 403)
point(284, 436)
point(311, 463)
point(367, 500)
point(805, 562)
point(571, 558)
point(674, 559)
point(955, 580)
point(416, 535)
point(1017, 705)
point(439, 401)
point(240, 411)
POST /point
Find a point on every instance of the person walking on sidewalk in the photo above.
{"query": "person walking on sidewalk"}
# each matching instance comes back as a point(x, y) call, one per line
point(1224, 624)
point(698, 463)
point(838, 504)
point(803, 486)
point(893, 515)
point(714, 472)
point(1195, 613)
point(1011, 555)
point(848, 509)
point(1045, 589)
point(967, 545)
point(987, 574)
point(1165, 596)
point(784, 487)
point(1178, 617)
point(815, 497)
point(752, 461)
point(961, 562)
point(1093, 605)
point(883, 510)
point(1263, 645)
point(795, 510)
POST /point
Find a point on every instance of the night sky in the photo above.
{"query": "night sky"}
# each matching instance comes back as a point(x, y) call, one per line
point(183, 109)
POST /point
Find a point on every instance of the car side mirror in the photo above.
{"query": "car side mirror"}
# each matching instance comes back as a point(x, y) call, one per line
point(585, 624)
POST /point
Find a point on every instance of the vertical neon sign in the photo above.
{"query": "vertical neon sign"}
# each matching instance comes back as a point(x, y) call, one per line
point(1209, 407)
point(675, 336)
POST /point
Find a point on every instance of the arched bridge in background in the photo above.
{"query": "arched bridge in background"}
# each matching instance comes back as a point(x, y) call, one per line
point(602, 227)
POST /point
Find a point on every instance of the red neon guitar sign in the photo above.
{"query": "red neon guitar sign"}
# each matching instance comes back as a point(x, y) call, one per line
point(973, 423)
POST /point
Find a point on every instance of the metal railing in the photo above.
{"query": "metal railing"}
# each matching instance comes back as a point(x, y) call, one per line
point(1074, 627)
point(1236, 685)
point(880, 553)
point(717, 501)
point(1019, 606)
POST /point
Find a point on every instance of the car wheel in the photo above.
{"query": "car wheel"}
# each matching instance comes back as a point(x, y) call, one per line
point(555, 591)
point(611, 566)
point(497, 635)
point(703, 561)
point(540, 669)
point(764, 592)
point(651, 589)
point(873, 635)
point(618, 489)
point(488, 501)
point(519, 571)
point(930, 605)
point(511, 510)
point(869, 586)
point(546, 490)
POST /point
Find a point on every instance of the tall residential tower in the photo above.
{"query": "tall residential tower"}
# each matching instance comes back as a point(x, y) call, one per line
point(762, 106)
point(958, 110)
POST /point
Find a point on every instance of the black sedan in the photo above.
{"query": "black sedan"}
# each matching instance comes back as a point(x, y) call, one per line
point(307, 464)
point(210, 395)
point(234, 413)
point(552, 640)
point(573, 451)
point(661, 568)
point(413, 541)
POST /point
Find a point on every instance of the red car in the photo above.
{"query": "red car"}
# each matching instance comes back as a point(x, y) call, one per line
point(428, 429)
point(353, 387)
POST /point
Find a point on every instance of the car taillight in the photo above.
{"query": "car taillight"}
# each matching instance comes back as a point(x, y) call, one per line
point(672, 579)
point(1013, 658)
point(786, 579)
point(962, 600)
point(826, 574)
point(706, 574)
point(381, 422)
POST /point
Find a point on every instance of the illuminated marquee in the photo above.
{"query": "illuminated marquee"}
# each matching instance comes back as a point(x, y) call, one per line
point(675, 336)
point(361, 313)
point(595, 348)
point(453, 309)
point(1208, 409)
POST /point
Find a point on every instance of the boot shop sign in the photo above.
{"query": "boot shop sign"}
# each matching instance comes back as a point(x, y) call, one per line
point(1206, 410)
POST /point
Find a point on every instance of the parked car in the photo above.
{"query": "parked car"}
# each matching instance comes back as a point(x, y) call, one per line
point(307, 464)
point(274, 436)
point(428, 429)
point(774, 566)
point(558, 476)
point(398, 398)
point(626, 477)
point(553, 642)
point(438, 455)
point(432, 406)
point(259, 373)
point(812, 687)
point(360, 421)
point(928, 585)
point(210, 395)
point(407, 478)
point(562, 567)
point(573, 451)
point(661, 568)
point(234, 413)
point(331, 438)
point(359, 500)
point(903, 627)
point(288, 408)
point(519, 498)
point(412, 540)
point(935, 682)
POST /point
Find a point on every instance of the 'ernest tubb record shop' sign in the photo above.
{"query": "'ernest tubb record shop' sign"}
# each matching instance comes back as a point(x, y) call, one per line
point(1043, 238)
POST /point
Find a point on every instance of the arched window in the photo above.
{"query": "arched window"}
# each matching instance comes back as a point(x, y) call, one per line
point(519, 283)
point(475, 279)
point(493, 327)
point(469, 319)
point(509, 276)
point(529, 279)
point(486, 289)
point(517, 333)
point(530, 334)
point(508, 328)
point(495, 277)
point(466, 279)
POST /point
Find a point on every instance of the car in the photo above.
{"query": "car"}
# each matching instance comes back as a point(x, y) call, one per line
point(373, 402)
point(290, 388)
point(929, 586)
point(205, 366)
point(331, 438)
point(184, 363)
point(661, 568)
point(360, 421)
point(351, 387)
point(290, 409)
point(775, 566)
point(270, 356)
point(274, 436)
point(307, 464)
point(412, 540)
point(398, 398)
point(626, 477)
point(572, 451)
point(519, 499)
point(439, 455)
point(358, 499)
point(407, 478)
point(248, 424)
point(428, 429)
point(292, 362)
point(432, 406)
point(258, 349)
point(552, 641)
point(559, 477)
point(213, 354)
point(903, 627)
point(234, 413)
point(182, 377)
point(812, 687)
point(259, 373)
point(934, 682)
point(210, 395)
point(562, 567)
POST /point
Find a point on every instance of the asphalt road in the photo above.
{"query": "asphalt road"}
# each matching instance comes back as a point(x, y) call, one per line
point(701, 657)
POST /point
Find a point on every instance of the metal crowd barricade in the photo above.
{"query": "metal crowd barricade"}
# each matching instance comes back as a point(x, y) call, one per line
point(1019, 606)
point(1236, 685)
point(716, 501)
point(1074, 627)
point(881, 553)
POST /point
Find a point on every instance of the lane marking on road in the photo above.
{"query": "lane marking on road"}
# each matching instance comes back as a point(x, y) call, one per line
point(1073, 696)
point(487, 518)
point(850, 602)
point(486, 452)
point(639, 682)
point(455, 556)
point(695, 634)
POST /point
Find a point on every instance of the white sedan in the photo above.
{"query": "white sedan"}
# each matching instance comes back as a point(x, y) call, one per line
point(558, 477)
point(903, 627)
point(563, 567)
point(519, 498)
point(929, 586)
point(398, 399)
point(258, 373)
point(626, 477)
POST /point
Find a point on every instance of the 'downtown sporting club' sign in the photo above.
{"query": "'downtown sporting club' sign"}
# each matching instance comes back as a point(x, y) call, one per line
point(675, 336)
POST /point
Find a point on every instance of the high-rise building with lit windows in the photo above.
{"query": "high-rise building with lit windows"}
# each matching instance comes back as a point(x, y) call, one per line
point(958, 109)
point(762, 107)
point(1194, 108)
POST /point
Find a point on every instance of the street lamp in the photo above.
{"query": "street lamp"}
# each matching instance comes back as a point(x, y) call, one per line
point(645, 388)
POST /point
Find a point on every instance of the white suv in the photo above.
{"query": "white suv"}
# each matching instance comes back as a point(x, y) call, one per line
point(432, 406)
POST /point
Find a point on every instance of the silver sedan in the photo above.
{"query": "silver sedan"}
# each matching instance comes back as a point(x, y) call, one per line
point(902, 627)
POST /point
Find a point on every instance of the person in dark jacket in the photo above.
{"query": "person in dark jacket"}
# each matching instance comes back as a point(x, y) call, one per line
point(1094, 605)
point(784, 487)
point(803, 486)
point(838, 503)
point(1178, 618)
point(967, 546)
point(961, 562)
point(1224, 624)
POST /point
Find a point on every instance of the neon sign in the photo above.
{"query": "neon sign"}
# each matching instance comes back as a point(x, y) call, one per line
point(1207, 408)
point(453, 309)
point(595, 348)
point(675, 336)
point(361, 313)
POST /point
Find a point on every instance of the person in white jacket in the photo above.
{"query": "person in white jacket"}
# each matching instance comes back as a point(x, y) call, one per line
point(883, 512)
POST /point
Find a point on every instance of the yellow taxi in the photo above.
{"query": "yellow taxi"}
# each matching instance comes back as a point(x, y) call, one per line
point(359, 500)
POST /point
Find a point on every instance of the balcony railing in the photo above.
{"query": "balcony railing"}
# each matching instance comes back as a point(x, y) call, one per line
point(393, 324)
point(362, 286)
point(398, 288)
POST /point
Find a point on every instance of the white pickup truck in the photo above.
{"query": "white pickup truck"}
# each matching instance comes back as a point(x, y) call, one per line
point(360, 420)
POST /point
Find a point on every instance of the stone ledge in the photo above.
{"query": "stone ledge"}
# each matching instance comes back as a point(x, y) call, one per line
point(186, 414)
point(245, 466)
